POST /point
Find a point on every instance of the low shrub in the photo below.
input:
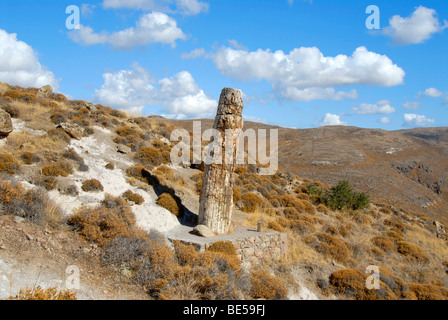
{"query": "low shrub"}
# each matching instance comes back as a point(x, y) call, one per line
point(60, 168)
point(384, 243)
point(13, 111)
point(8, 163)
point(38, 293)
point(252, 202)
point(149, 157)
point(92, 185)
point(33, 204)
point(134, 197)
point(110, 166)
point(428, 292)
point(411, 251)
point(29, 158)
point(352, 284)
point(169, 202)
point(13, 94)
point(113, 217)
point(333, 247)
point(266, 286)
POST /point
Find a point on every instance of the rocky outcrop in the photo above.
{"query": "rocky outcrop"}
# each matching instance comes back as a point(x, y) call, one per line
point(6, 126)
point(45, 91)
point(73, 130)
point(216, 200)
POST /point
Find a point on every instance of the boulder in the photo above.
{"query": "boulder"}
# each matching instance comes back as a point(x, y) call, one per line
point(45, 91)
point(121, 148)
point(203, 231)
point(6, 126)
point(73, 130)
point(91, 107)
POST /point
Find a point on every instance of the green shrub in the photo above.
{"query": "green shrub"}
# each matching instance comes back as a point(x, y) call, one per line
point(342, 197)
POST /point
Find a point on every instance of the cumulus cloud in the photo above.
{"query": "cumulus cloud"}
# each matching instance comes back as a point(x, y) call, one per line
point(331, 120)
point(19, 64)
point(384, 120)
point(305, 73)
point(432, 93)
point(196, 53)
point(417, 120)
point(382, 107)
point(412, 105)
point(150, 28)
point(178, 97)
point(416, 28)
point(185, 7)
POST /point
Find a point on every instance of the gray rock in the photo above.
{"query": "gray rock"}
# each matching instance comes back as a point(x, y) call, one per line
point(73, 130)
point(121, 148)
point(66, 186)
point(45, 91)
point(91, 107)
point(203, 231)
point(6, 126)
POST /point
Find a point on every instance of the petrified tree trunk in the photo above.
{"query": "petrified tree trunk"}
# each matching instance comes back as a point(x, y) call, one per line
point(216, 200)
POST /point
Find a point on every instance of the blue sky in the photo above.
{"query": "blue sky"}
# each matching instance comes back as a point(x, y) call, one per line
point(301, 63)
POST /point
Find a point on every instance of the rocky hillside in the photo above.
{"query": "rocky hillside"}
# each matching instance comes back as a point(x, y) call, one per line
point(87, 185)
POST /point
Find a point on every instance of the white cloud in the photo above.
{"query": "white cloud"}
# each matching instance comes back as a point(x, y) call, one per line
point(417, 120)
point(179, 96)
point(309, 94)
point(196, 53)
point(87, 9)
point(19, 64)
point(412, 105)
point(331, 120)
point(185, 7)
point(254, 119)
point(235, 44)
point(382, 107)
point(152, 27)
point(306, 73)
point(384, 120)
point(432, 92)
point(416, 28)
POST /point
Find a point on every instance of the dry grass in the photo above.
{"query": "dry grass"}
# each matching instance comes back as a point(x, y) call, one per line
point(38, 293)
point(101, 224)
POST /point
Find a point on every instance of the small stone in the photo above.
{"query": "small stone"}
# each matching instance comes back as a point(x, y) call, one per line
point(18, 219)
point(121, 148)
point(203, 231)
point(6, 126)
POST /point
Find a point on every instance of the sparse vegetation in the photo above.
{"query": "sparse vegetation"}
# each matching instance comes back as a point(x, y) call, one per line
point(101, 224)
point(38, 293)
point(92, 185)
point(169, 202)
point(133, 197)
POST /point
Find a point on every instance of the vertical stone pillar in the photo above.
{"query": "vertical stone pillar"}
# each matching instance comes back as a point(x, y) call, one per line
point(216, 199)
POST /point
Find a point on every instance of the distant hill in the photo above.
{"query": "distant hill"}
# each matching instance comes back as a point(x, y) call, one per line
point(406, 167)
